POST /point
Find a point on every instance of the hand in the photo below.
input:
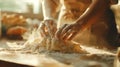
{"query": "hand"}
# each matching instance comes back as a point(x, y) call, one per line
point(48, 28)
point(67, 32)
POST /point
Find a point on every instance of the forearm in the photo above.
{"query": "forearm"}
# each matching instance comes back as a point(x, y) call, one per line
point(92, 13)
point(49, 8)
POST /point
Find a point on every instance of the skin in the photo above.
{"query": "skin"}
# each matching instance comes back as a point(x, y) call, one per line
point(87, 18)
point(98, 17)
point(49, 8)
point(90, 18)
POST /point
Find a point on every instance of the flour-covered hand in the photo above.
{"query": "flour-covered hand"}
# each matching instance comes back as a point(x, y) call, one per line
point(68, 31)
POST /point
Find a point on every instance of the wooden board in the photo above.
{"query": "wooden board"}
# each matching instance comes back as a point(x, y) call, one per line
point(54, 59)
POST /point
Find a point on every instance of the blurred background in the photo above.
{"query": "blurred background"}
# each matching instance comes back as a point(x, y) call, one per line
point(17, 15)
point(28, 7)
point(21, 6)
point(14, 13)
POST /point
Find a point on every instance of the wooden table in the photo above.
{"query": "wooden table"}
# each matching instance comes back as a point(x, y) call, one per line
point(53, 59)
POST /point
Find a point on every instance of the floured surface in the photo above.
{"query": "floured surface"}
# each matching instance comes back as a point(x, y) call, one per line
point(56, 59)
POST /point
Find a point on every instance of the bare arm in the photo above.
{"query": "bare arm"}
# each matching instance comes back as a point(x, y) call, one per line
point(93, 13)
point(49, 8)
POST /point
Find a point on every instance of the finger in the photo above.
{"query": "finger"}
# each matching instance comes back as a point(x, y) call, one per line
point(42, 30)
point(65, 30)
point(54, 28)
point(42, 34)
point(67, 34)
point(58, 32)
point(51, 27)
point(72, 36)
point(48, 27)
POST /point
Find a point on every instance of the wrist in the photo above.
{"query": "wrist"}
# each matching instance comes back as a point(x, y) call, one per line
point(48, 18)
point(80, 26)
point(51, 19)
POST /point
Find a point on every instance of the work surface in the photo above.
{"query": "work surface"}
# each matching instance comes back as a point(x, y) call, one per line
point(56, 59)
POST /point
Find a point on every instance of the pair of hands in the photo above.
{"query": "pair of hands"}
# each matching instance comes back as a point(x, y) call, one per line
point(54, 39)
point(66, 32)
